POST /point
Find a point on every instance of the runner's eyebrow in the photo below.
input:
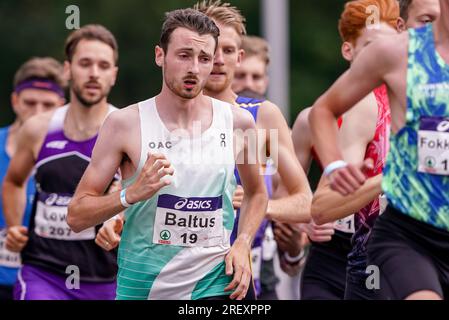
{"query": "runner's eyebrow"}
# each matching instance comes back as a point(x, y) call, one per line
point(205, 53)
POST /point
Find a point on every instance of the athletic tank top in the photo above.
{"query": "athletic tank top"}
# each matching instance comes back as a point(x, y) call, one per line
point(377, 150)
point(416, 178)
point(52, 244)
point(252, 105)
point(10, 261)
point(174, 244)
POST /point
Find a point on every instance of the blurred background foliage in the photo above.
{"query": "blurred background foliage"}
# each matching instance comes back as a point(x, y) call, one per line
point(37, 28)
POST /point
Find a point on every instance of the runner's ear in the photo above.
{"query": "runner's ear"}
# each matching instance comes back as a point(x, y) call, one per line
point(159, 55)
point(401, 26)
point(347, 51)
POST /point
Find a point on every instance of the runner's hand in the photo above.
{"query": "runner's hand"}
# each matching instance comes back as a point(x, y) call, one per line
point(150, 181)
point(108, 237)
point(288, 238)
point(114, 187)
point(237, 199)
point(349, 179)
point(238, 264)
point(17, 238)
point(316, 233)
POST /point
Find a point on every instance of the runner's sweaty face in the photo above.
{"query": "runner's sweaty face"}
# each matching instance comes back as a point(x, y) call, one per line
point(187, 63)
point(251, 75)
point(227, 58)
point(92, 71)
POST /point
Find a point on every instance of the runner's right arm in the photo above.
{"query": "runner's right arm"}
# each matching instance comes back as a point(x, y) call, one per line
point(30, 139)
point(108, 237)
point(89, 206)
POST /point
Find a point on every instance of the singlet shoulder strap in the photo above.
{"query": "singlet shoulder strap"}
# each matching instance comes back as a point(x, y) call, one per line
point(423, 56)
point(111, 109)
point(57, 120)
point(146, 115)
point(223, 117)
point(250, 104)
point(144, 109)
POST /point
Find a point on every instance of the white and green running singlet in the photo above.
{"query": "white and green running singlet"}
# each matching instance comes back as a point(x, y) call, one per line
point(173, 245)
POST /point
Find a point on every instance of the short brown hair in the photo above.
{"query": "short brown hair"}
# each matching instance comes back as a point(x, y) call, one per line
point(40, 68)
point(404, 6)
point(90, 32)
point(190, 19)
point(223, 13)
point(256, 47)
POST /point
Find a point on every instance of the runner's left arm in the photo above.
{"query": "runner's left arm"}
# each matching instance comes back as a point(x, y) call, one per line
point(20, 168)
point(357, 131)
point(366, 73)
point(329, 205)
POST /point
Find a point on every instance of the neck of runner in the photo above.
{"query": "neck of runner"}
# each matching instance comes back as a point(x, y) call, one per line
point(82, 122)
point(227, 95)
point(180, 113)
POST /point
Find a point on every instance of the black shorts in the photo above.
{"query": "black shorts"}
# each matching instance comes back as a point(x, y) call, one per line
point(324, 274)
point(357, 289)
point(411, 255)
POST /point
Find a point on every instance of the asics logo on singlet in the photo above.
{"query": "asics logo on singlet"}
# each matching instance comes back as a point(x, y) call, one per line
point(60, 145)
point(443, 126)
point(193, 204)
point(181, 204)
point(54, 199)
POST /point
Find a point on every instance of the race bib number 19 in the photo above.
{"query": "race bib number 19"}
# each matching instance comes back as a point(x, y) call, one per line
point(433, 145)
point(188, 222)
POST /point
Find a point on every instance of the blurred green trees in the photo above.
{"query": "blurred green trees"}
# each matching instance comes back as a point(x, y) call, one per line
point(37, 28)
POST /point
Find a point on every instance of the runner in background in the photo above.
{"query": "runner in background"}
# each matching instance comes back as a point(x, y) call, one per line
point(408, 243)
point(38, 87)
point(332, 205)
point(58, 146)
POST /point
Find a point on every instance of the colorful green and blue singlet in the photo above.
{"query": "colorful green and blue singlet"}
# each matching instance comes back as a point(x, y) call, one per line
point(416, 179)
